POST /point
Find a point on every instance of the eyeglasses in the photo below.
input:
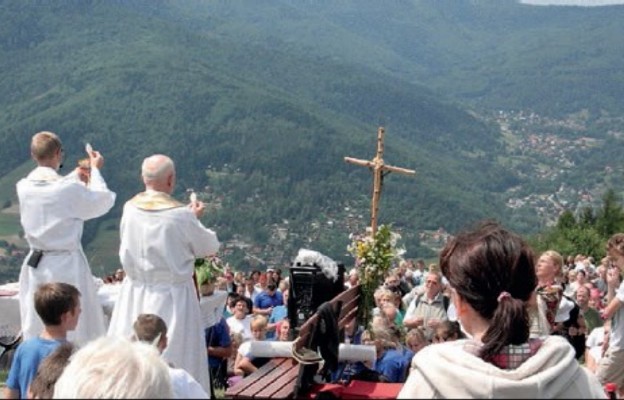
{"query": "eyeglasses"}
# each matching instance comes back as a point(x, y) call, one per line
point(431, 282)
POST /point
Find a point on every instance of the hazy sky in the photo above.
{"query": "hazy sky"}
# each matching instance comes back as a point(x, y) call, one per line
point(574, 2)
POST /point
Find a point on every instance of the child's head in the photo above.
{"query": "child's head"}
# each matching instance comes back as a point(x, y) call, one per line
point(378, 294)
point(57, 304)
point(416, 339)
point(152, 329)
point(237, 339)
point(283, 329)
point(447, 331)
point(383, 337)
point(259, 327)
point(390, 296)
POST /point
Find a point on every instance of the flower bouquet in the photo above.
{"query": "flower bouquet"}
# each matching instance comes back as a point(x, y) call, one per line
point(374, 257)
point(207, 269)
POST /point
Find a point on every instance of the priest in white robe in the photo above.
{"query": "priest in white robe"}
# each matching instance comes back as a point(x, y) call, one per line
point(53, 209)
point(160, 240)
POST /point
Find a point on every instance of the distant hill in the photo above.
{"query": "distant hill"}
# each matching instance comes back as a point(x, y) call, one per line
point(258, 103)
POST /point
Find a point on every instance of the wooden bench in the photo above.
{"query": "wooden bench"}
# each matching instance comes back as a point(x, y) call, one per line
point(283, 378)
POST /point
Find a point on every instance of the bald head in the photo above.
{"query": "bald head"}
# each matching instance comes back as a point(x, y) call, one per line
point(45, 147)
point(158, 172)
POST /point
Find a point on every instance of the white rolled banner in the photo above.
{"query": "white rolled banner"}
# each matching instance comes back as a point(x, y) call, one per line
point(346, 352)
point(357, 352)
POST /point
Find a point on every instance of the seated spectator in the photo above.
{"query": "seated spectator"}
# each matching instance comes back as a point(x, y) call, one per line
point(221, 283)
point(277, 276)
point(572, 285)
point(58, 306)
point(548, 292)
point(391, 313)
point(239, 279)
point(230, 285)
point(346, 370)
point(283, 330)
point(447, 331)
point(492, 275)
point(591, 315)
point(112, 367)
point(415, 340)
point(429, 308)
point(219, 349)
point(392, 295)
point(245, 362)
point(278, 314)
point(50, 369)
point(600, 282)
point(240, 322)
point(595, 345)
point(596, 300)
point(390, 363)
point(394, 281)
point(377, 294)
point(352, 279)
point(250, 288)
point(151, 329)
point(267, 300)
point(240, 290)
point(233, 375)
point(229, 305)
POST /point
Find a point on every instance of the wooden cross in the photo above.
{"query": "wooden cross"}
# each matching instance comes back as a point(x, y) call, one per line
point(379, 171)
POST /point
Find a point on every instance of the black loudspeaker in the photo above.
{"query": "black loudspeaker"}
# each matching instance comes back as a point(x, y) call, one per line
point(309, 288)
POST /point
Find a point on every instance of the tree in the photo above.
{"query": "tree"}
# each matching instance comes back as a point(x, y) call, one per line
point(566, 221)
point(610, 219)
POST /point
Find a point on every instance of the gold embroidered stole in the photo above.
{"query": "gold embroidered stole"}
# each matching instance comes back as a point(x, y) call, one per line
point(154, 201)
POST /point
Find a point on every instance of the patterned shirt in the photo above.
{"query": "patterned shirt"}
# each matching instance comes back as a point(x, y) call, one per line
point(551, 294)
point(511, 356)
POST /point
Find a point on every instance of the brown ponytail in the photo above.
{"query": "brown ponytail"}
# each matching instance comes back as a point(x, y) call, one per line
point(493, 270)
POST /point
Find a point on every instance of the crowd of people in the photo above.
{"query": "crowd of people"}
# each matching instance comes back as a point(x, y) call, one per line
point(553, 311)
point(490, 319)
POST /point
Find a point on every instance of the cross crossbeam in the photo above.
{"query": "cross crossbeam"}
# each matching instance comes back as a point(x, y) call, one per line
point(379, 169)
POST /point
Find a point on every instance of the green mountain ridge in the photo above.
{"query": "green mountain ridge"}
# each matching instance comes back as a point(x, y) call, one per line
point(259, 102)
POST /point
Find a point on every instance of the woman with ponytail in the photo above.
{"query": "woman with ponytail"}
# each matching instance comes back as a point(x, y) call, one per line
point(491, 272)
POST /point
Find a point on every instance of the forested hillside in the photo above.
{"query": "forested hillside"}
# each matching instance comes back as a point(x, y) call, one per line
point(258, 103)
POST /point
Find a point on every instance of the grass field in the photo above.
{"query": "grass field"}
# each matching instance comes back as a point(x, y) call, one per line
point(3, 376)
point(9, 224)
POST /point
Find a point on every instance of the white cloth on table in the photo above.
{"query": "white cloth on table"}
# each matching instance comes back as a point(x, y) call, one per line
point(9, 310)
point(211, 307)
point(52, 213)
point(157, 252)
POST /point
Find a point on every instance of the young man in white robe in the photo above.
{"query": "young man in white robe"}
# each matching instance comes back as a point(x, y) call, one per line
point(53, 209)
point(160, 240)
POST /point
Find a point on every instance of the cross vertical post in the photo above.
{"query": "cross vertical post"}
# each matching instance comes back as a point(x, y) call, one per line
point(379, 169)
